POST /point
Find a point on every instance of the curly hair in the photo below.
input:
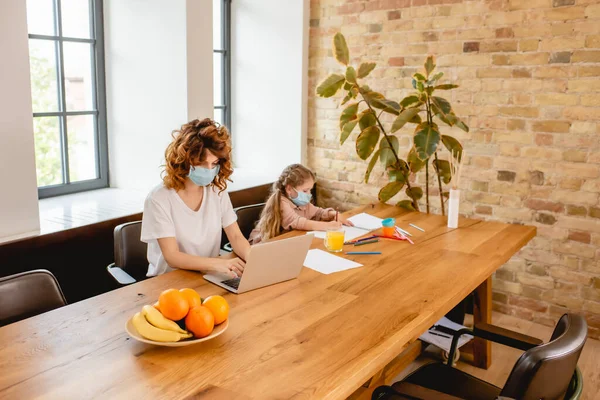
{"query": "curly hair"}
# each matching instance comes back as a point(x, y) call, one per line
point(269, 223)
point(189, 147)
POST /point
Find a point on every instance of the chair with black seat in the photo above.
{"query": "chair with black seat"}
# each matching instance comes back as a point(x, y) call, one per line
point(247, 216)
point(545, 371)
point(27, 294)
point(131, 260)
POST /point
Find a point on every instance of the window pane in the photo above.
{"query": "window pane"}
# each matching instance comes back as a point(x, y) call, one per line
point(219, 116)
point(40, 17)
point(48, 156)
point(78, 76)
point(217, 24)
point(218, 79)
point(82, 148)
point(75, 18)
point(42, 64)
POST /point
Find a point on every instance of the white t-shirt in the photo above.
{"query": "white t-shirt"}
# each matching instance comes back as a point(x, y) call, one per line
point(197, 233)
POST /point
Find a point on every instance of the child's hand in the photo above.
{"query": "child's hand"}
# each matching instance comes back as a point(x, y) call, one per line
point(334, 225)
point(345, 221)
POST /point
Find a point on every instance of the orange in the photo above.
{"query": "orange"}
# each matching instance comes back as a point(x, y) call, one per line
point(173, 305)
point(200, 321)
point(218, 307)
point(192, 297)
point(156, 305)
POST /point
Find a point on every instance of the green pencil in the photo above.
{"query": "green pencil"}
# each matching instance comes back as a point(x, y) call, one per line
point(366, 242)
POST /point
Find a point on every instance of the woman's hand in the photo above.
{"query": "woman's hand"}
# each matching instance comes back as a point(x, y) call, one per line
point(233, 267)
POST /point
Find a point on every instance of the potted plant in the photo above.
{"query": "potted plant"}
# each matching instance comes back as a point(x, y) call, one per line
point(423, 108)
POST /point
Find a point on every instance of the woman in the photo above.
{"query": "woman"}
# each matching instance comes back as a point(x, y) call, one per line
point(183, 216)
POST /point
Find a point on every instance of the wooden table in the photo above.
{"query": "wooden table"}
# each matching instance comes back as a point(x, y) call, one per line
point(315, 337)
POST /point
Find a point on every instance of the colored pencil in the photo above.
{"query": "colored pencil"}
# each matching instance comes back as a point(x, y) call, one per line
point(366, 242)
point(360, 240)
point(416, 227)
point(403, 231)
point(336, 215)
point(352, 253)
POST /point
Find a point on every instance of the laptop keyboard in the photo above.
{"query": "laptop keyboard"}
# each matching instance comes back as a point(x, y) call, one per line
point(234, 283)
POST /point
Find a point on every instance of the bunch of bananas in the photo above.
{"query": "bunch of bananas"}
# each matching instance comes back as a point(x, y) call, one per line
point(152, 325)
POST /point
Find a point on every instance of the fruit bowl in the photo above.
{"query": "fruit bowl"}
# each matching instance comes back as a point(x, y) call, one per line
point(185, 342)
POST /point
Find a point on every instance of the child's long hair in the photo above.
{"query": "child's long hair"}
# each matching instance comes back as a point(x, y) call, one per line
point(270, 218)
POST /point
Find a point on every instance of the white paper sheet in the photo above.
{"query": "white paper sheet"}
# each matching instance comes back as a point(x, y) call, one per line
point(350, 233)
point(445, 342)
point(367, 221)
point(326, 263)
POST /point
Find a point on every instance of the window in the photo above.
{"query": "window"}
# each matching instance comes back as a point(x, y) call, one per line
point(66, 55)
point(222, 61)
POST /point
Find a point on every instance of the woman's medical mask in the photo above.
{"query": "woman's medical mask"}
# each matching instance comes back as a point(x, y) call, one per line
point(203, 176)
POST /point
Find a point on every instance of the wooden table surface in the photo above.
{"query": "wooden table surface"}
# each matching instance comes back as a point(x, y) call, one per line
point(315, 337)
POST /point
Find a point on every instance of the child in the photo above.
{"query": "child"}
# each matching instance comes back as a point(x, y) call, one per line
point(289, 207)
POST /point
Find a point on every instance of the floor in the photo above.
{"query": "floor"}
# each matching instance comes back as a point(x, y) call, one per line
point(503, 358)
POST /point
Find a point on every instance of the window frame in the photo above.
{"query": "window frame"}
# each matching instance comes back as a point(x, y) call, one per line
point(226, 65)
point(98, 94)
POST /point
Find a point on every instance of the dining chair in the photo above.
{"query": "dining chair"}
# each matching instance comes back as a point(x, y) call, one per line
point(27, 294)
point(131, 262)
point(544, 371)
point(247, 216)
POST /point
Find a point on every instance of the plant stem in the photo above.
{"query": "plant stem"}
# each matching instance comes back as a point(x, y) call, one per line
point(439, 183)
point(406, 177)
point(427, 183)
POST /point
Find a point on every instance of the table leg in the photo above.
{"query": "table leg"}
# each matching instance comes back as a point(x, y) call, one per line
point(482, 312)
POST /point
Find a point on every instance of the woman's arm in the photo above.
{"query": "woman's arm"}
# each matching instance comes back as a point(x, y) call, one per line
point(240, 245)
point(178, 259)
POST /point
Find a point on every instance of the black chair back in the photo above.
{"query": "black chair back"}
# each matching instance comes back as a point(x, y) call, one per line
point(544, 372)
point(27, 294)
point(248, 216)
point(130, 251)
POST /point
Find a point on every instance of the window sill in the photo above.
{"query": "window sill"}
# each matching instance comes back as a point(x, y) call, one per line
point(75, 210)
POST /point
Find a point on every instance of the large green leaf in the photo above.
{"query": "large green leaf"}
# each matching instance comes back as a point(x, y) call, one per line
point(351, 74)
point(340, 49)
point(449, 119)
point(446, 86)
point(349, 114)
point(415, 163)
point(347, 130)
point(416, 119)
point(347, 98)
point(367, 119)
point(435, 77)
point(403, 118)
point(390, 190)
point(396, 174)
point(366, 142)
point(377, 100)
point(442, 104)
point(408, 100)
point(462, 125)
point(429, 65)
point(427, 138)
point(453, 145)
point(365, 69)
point(420, 77)
point(442, 167)
point(420, 86)
point(371, 165)
point(414, 192)
point(386, 154)
point(406, 204)
point(331, 85)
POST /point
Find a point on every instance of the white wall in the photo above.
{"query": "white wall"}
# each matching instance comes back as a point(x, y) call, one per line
point(269, 83)
point(19, 215)
point(146, 86)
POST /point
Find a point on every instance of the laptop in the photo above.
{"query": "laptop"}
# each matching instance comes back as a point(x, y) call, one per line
point(268, 263)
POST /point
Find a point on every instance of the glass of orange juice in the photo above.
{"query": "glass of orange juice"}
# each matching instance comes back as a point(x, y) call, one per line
point(334, 240)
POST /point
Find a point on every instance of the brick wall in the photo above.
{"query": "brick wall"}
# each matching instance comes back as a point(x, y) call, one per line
point(529, 72)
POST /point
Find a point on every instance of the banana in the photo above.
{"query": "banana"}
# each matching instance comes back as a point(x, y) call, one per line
point(153, 333)
point(158, 320)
